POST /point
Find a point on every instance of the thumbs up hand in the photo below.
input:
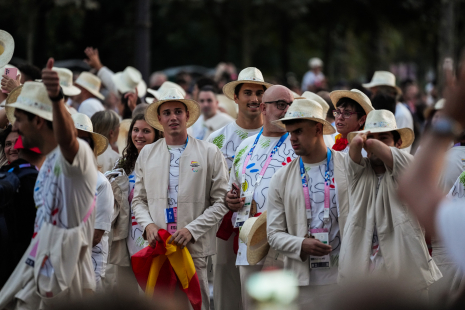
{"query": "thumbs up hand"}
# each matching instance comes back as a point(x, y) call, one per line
point(51, 80)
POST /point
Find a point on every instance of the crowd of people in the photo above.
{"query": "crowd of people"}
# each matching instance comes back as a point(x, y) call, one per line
point(97, 168)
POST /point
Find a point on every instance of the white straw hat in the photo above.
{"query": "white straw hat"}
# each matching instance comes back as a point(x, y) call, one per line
point(66, 81)
point(384, 121)
point(91, 83)
point(439, 105)
point(315, 62)
point(163, 88)
point(172, 94)
point(383, 78)
point(355, 95)
point(253, 233)
point(12, 98)
point(33, 98)
point(315, 97)
point(296, 95)
point(307, 109)
point(82, 122)
point(250, 75)
point(129, 80)
point(122, 141)
point(7, 47)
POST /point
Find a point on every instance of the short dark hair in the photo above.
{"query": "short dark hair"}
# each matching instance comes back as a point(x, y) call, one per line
point(30, 117)
point(204, 81)
point(158, 109)
point(238, 87)
point(396, 136)
point(383, 101)
point(350, 103)
point(208, 88)
point(4, 134)
point(31, 72)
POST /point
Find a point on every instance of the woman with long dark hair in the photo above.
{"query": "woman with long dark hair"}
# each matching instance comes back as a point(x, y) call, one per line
point(139, 135)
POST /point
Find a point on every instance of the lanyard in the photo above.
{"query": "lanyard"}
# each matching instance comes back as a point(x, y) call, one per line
point(268, 160)
point(23, 166)
point(308, 206)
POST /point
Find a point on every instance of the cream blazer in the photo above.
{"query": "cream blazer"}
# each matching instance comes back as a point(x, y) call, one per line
point(203, 183)
point(401, 239)
point(286, 217)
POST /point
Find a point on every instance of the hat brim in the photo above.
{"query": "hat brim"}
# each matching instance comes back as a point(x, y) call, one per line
point(338, 94)
point(371, 85)
point(9, 45)
point(406, 134)
point(70, 90)
point(328, 129)
point(93, 92)
point(100, 142)
point(124, 126)
point(12, 97)
point(257, 241)
point(155, 93)
point(151, 114)
point(123, 88)
point(228, 89)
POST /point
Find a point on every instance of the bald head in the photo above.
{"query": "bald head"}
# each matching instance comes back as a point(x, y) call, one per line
point(277, 92)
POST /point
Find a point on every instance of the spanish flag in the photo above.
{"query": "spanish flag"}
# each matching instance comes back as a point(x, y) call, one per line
point(164, 266)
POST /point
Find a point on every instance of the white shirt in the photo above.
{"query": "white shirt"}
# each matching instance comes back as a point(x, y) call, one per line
point(377, 261)
point(228, 138)
point(449, 222)
point(90, 106)
point(316, 181)
point(103, 215)
point(107, 160)
point(310, 78)
point(454, 166)
point(404, 119)
point(281, 158)
point(59, 186)
point(202, 128)
point(175, 153)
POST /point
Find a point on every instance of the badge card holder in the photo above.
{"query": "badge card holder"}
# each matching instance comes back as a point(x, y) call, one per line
point(171, 216)
point(320, 262)
point(244, 213)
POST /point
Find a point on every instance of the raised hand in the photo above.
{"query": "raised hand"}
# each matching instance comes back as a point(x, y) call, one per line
point(93, 58)
point(132, 99)
point(50, 79)
point(9, 84)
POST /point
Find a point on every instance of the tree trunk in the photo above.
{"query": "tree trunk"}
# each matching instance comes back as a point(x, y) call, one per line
point(246, 36)
point(143, 26)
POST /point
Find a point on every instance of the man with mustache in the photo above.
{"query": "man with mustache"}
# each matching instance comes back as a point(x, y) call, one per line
point(257, 159)
point(247, 92)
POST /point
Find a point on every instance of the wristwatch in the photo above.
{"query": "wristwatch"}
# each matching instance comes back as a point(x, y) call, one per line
point(446, 127)
point(59, 96)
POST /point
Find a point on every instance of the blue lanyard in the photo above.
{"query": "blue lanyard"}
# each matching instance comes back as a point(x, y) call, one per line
point(305, 189)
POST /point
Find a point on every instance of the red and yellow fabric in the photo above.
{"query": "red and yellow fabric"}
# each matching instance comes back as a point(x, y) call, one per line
point(166, 266)
point(340, 143)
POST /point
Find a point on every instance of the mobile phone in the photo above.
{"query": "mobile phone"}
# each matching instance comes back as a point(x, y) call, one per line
point(11, 73)
point(235, 189)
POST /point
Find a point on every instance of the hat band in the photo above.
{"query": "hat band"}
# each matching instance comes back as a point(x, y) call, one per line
point(83, 127)
point(87, 85)
point(65, 83)
point(301, 114)
point(34, 104)
point(381, 124)
point(252, 79)
point(169, 97)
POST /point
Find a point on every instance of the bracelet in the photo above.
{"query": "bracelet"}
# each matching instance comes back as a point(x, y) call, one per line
point(59, 96)
point(446, 127)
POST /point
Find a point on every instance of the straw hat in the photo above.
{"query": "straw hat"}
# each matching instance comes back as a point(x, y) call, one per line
point(383, 78)
point(12, 98)
point(123, 134)
point(91, 83)
point(315, 97)
point(384, 121)
point(7, 47)
point(172, 94)
point(228, 105)
point(307, 109)
point(82, 122)
point(129, 80)
point(31, 97)
point(353, 94)
point(163, 88)
point(250, 75)
point(253, 233)
point(315, 62)
point(439, 105)
point(296, 95)
point(66, 81)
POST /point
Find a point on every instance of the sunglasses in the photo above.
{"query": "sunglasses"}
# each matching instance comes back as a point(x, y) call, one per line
point(345, 114)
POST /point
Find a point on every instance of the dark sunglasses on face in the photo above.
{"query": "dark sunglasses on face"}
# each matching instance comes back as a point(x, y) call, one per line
point(280, 104)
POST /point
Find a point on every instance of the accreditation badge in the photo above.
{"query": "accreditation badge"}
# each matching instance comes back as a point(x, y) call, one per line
point(320, 262)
